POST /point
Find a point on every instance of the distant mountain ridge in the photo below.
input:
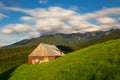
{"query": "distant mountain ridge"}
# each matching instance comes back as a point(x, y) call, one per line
point(64, 39)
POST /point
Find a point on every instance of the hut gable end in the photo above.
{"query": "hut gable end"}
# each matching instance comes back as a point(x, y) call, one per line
point(41, 50)
point(44, 53)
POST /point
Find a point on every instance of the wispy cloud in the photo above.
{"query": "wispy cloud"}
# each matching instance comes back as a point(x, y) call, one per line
point(15, 29)
point(103, 13)
point(1, 4)
point(106, 20)
point(2, 16)
point(42, 1)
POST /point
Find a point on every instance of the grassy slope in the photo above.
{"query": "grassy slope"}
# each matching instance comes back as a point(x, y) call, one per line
point(10, 58)
point(98, 62)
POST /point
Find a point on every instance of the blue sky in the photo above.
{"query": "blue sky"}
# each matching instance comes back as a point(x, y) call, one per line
point(20, 19)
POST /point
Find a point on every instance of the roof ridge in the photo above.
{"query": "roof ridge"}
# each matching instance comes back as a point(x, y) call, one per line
point(50, 49)
point(45, 50)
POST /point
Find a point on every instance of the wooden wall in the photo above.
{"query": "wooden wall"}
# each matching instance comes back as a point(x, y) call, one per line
point(38, 60)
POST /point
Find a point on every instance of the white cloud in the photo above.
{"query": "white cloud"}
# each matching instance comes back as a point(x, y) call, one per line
point(43, 1)
point(33, 34)
point(2, 16)
point(57, 12)
point(106, 20)
point(48, 24)
point(15, 28)
point(27, 18)
point(79, 24)
point(102, 13)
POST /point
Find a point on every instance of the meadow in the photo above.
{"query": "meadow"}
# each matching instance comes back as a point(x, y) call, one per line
point(97, 62)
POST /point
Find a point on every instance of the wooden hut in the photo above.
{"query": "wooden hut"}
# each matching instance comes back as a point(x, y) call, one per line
point(44, 53)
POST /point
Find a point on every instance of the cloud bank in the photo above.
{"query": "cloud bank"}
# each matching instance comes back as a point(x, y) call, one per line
point(52, 20)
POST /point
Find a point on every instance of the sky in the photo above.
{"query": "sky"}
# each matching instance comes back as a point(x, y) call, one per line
point(24, 19)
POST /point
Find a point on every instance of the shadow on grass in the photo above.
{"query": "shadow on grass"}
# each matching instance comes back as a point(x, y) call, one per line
point(6, 75)
point(65, 49)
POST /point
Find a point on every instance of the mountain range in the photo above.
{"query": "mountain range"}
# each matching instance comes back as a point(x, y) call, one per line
point(66, 39)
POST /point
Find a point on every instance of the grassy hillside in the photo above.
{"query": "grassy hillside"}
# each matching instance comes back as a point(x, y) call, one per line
point(98, 62)
point(12, 57)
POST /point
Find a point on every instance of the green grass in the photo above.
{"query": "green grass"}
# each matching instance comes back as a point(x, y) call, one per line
point(98, 62)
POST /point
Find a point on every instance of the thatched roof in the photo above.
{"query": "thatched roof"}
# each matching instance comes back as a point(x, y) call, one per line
point(46, 50)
